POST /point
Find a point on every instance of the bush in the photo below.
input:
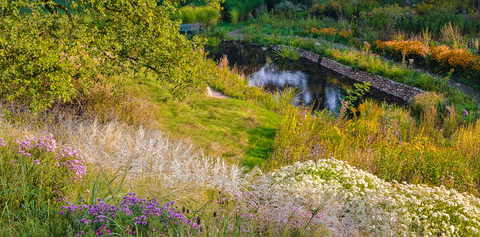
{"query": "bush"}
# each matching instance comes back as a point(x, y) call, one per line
point(421, 103)
point(286, 6)
point(234, 17)
point(213, 41)
point(188, 15)
point(244, 7)
point(401, 209)
point(207, 16)
point(288, 52)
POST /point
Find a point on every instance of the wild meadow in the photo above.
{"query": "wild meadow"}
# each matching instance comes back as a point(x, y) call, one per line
point(106, 129)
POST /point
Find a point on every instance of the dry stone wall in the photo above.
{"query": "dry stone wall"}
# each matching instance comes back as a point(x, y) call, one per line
point(389, 87)
point(382, 84)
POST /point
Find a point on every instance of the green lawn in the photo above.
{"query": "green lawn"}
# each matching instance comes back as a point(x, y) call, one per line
point(233, 129)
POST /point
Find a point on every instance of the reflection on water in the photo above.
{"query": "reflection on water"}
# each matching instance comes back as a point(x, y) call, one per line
point(264, 68)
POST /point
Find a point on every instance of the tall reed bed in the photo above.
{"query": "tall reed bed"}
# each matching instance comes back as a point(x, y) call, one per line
point(387, 141)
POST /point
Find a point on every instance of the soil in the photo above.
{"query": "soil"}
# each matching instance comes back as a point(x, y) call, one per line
point(237, 33)
point(218, 94)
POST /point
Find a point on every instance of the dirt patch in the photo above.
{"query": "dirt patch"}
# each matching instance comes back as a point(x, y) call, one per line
point(237, 33)
point(217, 94)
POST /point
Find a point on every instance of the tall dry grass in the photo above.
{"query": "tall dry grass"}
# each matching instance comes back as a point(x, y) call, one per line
point(148, 158)
point(155, 165)
point(451, 35)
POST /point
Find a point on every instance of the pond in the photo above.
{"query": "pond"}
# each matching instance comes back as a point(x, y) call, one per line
point(264, 68)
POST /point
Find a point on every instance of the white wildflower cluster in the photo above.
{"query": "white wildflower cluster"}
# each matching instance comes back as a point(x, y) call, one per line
point(378, 207)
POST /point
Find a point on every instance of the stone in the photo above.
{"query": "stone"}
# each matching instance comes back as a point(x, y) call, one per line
point(209, 92)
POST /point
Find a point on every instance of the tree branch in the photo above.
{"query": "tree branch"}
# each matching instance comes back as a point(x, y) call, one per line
point(149, 67)
point(48, 8)
point(110, 9)
point(56, 5)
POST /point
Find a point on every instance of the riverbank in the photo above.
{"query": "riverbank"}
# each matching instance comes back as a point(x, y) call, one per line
point(475, 94)
point(373, 64)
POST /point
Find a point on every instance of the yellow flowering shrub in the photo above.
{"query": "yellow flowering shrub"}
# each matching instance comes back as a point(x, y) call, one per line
point(318, 9)
point(443, 58)
point(410, 47)
point(346, 33)
point(453, 57)
point(324, 31)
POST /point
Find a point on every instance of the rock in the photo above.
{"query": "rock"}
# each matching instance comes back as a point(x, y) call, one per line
point(209, 92)
point(464, 113)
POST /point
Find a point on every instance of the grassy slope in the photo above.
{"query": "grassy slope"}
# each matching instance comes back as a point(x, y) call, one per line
point(234, 129)
point(231, 128)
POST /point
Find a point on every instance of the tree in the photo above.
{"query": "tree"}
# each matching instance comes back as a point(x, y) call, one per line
point(48, 51)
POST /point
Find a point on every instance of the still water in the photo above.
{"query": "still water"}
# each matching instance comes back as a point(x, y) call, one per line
point(264, 68)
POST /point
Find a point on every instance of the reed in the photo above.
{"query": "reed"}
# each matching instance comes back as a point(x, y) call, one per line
point(288, 52)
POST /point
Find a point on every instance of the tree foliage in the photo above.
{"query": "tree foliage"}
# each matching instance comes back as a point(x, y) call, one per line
point(49, 51)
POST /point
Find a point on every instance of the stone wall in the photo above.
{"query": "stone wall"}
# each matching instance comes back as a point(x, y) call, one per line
point(389, 87)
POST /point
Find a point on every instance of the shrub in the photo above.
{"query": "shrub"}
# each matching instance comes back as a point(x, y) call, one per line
point(386, 16)
point(288, 52)
point(234, 17)
point(188, 15)
point(207, 16)
point(401, 209)
point(213, 41)
point(244, 7)
point(427, 106)
point(286, 6)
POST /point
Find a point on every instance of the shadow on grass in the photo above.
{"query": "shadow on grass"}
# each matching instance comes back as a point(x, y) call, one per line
point(260, 145)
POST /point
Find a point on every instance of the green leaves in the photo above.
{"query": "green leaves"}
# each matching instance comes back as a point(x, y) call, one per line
point(48, 56)
point(358, 92)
